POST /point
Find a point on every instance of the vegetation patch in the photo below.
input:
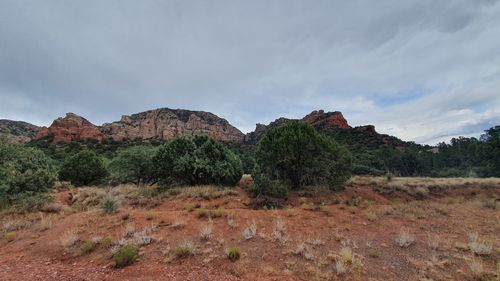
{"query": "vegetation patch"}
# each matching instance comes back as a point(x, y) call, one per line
point(125, 256)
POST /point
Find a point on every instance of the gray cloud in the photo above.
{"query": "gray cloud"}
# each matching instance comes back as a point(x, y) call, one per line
point(421, 70)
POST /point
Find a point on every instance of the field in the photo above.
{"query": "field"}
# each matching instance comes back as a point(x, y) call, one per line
point(376, 229)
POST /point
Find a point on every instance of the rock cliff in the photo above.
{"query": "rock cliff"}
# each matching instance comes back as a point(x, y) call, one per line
point(165, 123)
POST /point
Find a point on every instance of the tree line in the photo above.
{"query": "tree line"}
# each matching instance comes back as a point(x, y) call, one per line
point(287, 157)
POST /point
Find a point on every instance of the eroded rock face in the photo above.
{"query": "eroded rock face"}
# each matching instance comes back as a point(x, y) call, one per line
point(17, 131)
point(165, 123)
point(70, 128)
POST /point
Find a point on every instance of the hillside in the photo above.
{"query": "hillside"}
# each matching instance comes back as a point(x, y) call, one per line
point(17, 131)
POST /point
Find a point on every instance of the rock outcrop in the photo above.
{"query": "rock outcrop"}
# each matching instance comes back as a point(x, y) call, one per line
point(318, 119)
point(70, 128)
point(165, 123)
point(17, 131)
point(330, 120)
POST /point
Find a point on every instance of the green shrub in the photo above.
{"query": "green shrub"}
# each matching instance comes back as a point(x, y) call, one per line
point(109, 205)
point(127, 255)
point(296, 155)
point(83, 168)
point(233, 253)
point(88, 247)
point(197, 161)
point(24, 171)
point(133, 164)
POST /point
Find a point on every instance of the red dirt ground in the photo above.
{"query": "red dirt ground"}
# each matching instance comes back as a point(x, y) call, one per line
point(451, 214)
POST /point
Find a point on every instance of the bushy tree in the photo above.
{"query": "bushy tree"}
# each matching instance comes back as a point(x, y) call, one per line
point(83, 168)
point(296, 155)
point(198, 160)
point(24, 171)
point(493, 148)
point(134, 164)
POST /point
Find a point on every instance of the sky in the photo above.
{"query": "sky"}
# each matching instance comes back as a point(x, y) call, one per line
point(421, 70)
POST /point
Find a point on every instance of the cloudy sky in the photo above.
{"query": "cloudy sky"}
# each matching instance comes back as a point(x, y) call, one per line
point(420, 70)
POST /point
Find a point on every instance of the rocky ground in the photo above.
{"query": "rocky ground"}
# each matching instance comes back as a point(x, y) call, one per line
point(403, 229)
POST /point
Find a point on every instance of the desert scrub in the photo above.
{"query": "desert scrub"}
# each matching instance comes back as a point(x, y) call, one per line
point(326, 210)
point(69, 238)
point(190, 207)
point(88, 247)
point(10, 236)
point(202, 213)
point(217, 213)
point(109, 205)
point(231, 221)
point(308, 206)
point(143, 237)
point(304, 251)
point(178, 224)
point(107, 242)
point(126, 255)
point(233, 253)
point(405, 238)
point(250, 231)
point(150, 215)
point(371, 216)
point(184, 250)
point(278, 233)
point(479, 246)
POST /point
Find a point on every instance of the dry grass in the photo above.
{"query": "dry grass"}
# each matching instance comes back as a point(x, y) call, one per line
point(206, 192)
point(178, 224)
point(69, 238)
point(405, 238)
point(479, 246)
point(249, 232)
point(206, 231)
point(278, 233)
point(414, 182)
point(231, 221)
point(143, 237)
point(304, 251)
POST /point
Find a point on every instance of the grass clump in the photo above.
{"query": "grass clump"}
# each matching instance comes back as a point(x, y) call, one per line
point(202, 213)
point(233, 253)
point(88, 246)
point(206, 231)
point(107, 242)
point(109, 205)
point(10, 236)
point(184, 250)
point(127, 255)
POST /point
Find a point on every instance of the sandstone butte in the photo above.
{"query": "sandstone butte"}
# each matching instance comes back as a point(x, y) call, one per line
point(165, 123)
point(70, 128)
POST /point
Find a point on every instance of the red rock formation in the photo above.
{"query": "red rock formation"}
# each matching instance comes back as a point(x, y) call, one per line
point(70, 128)
point(320, 119)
